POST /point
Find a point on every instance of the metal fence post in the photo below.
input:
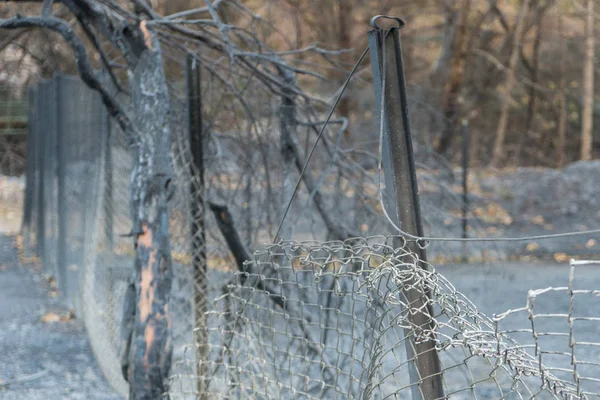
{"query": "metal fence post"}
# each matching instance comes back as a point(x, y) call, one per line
point(61, 167)
point(465, 177)
point(197, 208)
point(50, 110)
point(108, 200)
point(30, 168)
point(41, 143)
point(424, 363)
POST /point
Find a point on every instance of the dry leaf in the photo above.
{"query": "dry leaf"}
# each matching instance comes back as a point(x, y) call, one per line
point(296, 263)
point(560, 257)
point(538, 220)
point(533, 246)
point(50, 317)
point(494, 213)
point(181, 258)
point(375, 261)
point(53, 317)
point(52, 283)
point(441, 260)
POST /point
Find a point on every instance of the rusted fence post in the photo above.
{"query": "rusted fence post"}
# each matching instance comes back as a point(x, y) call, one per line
point(197, 208)
point(388, 79)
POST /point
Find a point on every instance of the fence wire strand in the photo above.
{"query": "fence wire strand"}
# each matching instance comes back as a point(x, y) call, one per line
point(300, 319)
point(338, 331)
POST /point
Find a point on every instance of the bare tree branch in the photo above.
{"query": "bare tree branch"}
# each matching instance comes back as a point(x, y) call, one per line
point(89, 76)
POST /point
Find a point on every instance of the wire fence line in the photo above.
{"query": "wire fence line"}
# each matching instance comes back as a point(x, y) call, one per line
point(303, 319)
point(342, 334)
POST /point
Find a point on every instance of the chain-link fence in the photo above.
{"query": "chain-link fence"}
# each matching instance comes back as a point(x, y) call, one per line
point(302, 319)
point(68, 127)
point(13, 129)
point(329, 320)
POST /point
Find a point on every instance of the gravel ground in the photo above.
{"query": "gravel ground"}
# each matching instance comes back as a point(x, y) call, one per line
point(54, 357)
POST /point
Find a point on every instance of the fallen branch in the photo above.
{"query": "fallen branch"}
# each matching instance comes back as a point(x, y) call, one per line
point(241, 255)
point(23, 379)
point(227, 228)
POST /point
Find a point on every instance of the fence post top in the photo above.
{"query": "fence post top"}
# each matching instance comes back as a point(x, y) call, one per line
point(399, 20)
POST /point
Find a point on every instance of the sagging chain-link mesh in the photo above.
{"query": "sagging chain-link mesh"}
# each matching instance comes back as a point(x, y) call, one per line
point(329, 320)
point(110, 263)
point(312, 320)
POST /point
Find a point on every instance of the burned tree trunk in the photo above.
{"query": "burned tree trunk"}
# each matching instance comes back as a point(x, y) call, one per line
point(147, 357)
point(146, 354)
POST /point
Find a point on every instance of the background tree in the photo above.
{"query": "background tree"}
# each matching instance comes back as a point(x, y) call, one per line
point(588, 84)
point(506, 98)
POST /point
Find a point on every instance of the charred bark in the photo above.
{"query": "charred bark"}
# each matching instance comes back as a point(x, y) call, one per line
point(148, 347)
point(239, 252)
point(146, 354)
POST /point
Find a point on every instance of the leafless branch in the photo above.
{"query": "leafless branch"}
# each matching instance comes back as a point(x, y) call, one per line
point(90, 77)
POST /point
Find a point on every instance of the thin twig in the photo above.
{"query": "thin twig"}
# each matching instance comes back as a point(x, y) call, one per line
point(23, 379)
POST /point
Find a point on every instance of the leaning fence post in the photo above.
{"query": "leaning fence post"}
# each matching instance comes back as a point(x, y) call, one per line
point(388, 79)
point(194, 102)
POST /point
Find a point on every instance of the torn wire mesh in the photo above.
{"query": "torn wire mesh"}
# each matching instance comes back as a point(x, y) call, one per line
point(326, 320)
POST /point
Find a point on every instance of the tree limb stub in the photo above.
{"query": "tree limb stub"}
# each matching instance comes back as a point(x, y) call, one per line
point(241, 255)
point(227, 228)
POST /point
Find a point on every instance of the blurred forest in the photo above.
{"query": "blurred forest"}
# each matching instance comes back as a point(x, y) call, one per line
point(520, 71)
point(516, 69)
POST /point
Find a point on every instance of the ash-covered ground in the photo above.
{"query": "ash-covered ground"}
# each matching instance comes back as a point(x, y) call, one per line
point(53, 360)
point(41, 360)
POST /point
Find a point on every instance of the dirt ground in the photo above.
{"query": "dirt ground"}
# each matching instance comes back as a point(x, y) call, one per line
point(53, 360)
point(41, 360)
point(11, 204)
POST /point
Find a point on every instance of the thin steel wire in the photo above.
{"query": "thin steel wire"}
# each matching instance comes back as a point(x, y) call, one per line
point(341, 331)
point(445, 239)
point(312, 150)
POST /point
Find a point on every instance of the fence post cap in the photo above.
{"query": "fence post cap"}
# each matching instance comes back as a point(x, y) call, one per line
point(374, 20)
